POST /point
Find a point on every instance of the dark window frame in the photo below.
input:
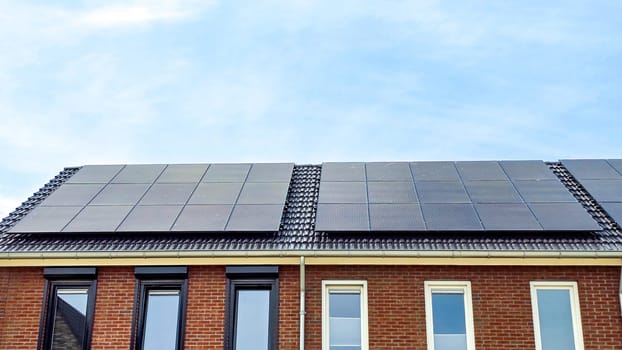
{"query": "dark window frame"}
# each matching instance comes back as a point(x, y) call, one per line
point(252, 278)
point(66, 278)
point(158, 278)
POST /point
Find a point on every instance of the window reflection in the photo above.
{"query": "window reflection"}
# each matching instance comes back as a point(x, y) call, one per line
point(69, 319)
point(449, 322)
point(555, 316)
point(252, 319)
point(161, 320)
point(344, 321)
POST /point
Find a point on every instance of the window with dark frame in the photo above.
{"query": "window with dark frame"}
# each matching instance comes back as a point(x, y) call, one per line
point(252, 308)
point(160, 308)
point(68, 309)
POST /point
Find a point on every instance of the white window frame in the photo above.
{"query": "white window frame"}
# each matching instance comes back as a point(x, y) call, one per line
point(458, 287)
point(358, 286)
point(575, 309)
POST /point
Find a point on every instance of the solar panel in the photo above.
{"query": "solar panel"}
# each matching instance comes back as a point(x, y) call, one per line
point(543, 191)
point(203, 218)
point(227, 173)
point(451, 217)
point(150, 218)
point(391, 192)
point(73, 195)
point(434, 171)
point(45, 219)
point(604, 190)
point(351, 172)
point(527, 170)
point(343, 192)
point(614, 209)
point(616, 164)
point(120, 194)
point(183, 173)
point(481, 170)
point(216, 193)
point(563, 217)
point(492, 192)
point(98, 219)
point(442, 192)
point(253, 218)
point(507, 217)
point(270, 172)
point(139, 174)
point(263, 193)
point(162, 198)
point(384, 171)
point(95, 174)
point(591, 169)
point(342, 217)
point(168, 194)
point(396, 217)
point(446, 196)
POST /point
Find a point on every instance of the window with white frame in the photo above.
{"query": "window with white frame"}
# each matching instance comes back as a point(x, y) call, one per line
point(449, 315)
point(344, 315)
point(556, 316)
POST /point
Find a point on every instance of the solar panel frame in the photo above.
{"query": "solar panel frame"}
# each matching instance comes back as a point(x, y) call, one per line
point(342, 192)
point(441, 192)
point(150, 218)
point(527, 170)
point(263, 193)
point(227, 173)
point(270, 172)
point(604, 190)
point(481, 171)
point(216, 193)
point(396, 217)
point(167, 194)
point(391, 192)
point(545, 191)
point(563, 217)
point(120, 194)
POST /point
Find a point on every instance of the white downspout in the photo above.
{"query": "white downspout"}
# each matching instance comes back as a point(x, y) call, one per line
point(620, 290)
point(302, 303)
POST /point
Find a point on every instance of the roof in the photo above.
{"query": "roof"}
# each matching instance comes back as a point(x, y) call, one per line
point(297, 230)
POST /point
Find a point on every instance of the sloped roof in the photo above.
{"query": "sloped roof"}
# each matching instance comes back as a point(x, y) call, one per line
point(297, 230)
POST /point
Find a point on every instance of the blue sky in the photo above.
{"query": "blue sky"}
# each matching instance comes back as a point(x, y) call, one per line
point(304, 81)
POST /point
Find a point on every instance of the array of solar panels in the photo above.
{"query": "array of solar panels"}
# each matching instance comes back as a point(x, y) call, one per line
point(161, 198)
point(603, 181)
point(447, 196)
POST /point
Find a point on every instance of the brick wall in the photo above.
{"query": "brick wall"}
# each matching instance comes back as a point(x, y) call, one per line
point(20, 306)
point(501, 303)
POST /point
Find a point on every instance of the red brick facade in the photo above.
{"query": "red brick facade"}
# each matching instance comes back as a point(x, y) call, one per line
point(501, 305)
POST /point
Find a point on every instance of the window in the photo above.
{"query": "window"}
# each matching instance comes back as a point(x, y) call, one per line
point(69, 305)
point(161, 305)
point(344, 315)
point(449, 315)
point(252, 307)
point(556, 316)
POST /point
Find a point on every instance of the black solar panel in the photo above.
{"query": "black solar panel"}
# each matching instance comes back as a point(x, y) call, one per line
point(447, 196)
point(160, 198)
point(602, 179)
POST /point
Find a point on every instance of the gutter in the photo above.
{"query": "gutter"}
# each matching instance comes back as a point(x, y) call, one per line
point(312, 254)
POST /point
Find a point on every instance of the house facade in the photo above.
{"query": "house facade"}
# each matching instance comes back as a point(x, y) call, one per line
point(338, 256)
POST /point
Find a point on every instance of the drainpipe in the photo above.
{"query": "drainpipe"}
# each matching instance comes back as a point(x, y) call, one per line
point(302, 303)
point(620, 288)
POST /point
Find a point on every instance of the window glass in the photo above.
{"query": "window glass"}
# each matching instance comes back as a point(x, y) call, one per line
point(69, 319)
point(344, 321)
point(161, 320)
point(555, 316)
point(449, 321)
point(252, 319)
